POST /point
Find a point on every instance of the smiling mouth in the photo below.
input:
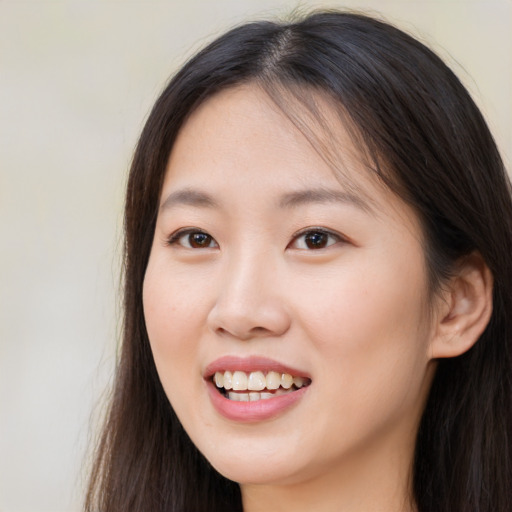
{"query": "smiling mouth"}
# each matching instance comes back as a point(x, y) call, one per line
point(240, 386)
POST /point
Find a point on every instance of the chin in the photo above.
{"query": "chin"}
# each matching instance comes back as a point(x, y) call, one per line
point(260, 472)
point(258, 463)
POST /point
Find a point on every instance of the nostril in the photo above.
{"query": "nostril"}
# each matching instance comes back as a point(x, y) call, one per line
point(259, 330)
point(242, 334)
point(243, 320)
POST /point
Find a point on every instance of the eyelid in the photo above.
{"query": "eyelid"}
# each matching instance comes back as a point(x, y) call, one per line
point(317, 229)
point(174, 238)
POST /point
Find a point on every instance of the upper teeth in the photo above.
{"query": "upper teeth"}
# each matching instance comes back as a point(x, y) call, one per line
point(256, 381)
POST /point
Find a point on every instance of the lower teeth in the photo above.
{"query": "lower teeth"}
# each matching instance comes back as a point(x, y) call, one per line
point(254, 396)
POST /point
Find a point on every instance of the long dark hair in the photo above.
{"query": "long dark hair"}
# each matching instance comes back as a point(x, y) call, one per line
point(426, 139)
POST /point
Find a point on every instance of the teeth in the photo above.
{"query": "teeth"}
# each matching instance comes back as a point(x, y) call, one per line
point(273, 380)
point(219, 379)
point(256, 381)
point(228, 380)
point(298, 382)
point(239, 381)
point(238, 397)
point(286, 381)
point(249, 397)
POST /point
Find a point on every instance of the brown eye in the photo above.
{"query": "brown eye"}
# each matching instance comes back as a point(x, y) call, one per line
point(192, 239)
point(315, 239)
point(199, 240)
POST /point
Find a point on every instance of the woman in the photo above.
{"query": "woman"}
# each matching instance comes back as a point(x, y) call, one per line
point(317, 284)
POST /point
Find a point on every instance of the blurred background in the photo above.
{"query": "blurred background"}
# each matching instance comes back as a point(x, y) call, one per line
point(77, 80)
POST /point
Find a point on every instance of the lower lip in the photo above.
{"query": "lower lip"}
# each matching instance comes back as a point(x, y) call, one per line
point(250, 412)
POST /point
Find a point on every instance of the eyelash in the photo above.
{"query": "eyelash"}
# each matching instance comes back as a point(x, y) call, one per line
point(175, 238)
point(316, 231)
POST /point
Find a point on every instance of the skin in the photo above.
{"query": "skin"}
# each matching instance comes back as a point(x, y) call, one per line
point(354, 315)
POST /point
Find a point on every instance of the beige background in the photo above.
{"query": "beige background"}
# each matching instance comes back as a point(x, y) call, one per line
point(76, 82)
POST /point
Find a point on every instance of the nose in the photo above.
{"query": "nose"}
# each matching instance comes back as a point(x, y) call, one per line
point(250, 303)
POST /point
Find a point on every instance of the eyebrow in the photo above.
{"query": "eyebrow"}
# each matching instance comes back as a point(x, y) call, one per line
point(190, 197)
point(198, 198)
point(324, 195)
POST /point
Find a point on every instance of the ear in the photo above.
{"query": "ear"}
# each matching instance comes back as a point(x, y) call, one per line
point(465, 308)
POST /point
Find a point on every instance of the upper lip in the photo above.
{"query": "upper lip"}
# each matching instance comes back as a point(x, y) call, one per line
point(250, 364)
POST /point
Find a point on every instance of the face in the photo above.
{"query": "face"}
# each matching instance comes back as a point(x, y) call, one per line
point(287, 309)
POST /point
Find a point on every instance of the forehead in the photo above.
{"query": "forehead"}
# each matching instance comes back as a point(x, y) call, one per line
point(240, 141)
point(242, 124)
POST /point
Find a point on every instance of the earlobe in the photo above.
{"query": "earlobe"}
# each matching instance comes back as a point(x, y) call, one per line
point(465, 309)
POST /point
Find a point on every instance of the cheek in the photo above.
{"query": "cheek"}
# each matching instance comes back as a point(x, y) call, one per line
point(361, 297)
point(370, 334)
point(171, 315)
point(174, 329)
point(175, 301)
